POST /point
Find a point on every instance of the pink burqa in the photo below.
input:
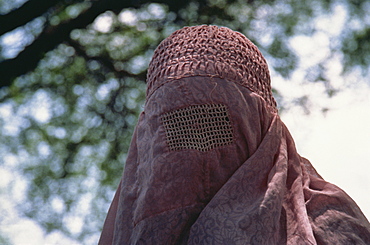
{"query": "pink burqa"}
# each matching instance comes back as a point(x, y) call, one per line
point(211, 162)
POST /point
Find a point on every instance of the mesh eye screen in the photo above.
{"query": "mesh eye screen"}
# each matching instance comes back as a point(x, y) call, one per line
point(198, 127)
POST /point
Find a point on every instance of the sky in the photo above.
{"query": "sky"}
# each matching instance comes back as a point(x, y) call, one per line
point(337, 142)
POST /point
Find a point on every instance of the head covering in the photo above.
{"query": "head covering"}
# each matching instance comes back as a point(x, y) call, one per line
point(212, 163)
point(210, 51)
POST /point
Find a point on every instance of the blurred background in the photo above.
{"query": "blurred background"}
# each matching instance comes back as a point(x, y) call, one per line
point(72, 83)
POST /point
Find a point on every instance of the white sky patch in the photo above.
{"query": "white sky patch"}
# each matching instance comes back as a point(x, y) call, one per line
point(44, 149)
point(104, 89)
point(332, 24)
point(338, 144)
point(7, 6)
point(73, 223)
point(128, 17)
point(10, 160)
point(13, 42)
point(58, 204)
point(118, 41)
point(40, 106)
point(156, 11)
point(6, 177)
point(13, 126)
point(57, 238)
point(23, 232)
point(315, 48)
point(311, 49)
point(85, 201)
point(73, 11)
point(57, 132)
point(19, 188)
point(5, 110)
point(13, 37)
point(103, 23)
point(12, 123)
point(60, 133)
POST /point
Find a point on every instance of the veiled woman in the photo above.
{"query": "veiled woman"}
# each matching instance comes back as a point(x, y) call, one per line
point(211, 162)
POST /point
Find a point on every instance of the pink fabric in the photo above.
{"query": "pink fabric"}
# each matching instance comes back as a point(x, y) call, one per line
point(253, 189)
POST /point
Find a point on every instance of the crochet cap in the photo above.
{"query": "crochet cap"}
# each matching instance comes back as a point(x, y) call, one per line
point(210, 51)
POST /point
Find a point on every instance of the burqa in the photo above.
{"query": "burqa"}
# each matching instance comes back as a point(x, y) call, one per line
point(211, 162)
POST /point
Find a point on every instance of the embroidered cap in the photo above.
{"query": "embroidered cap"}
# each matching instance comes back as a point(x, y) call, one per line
point(210, 51)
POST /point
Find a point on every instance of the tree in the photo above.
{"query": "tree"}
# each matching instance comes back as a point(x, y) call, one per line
point(73, 84)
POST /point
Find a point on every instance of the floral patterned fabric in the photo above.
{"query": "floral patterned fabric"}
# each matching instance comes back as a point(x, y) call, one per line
point(212, 163)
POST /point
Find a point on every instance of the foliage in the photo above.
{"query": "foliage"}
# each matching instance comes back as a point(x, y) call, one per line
point(73, 85)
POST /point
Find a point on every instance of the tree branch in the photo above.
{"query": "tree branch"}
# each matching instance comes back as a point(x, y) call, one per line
point(28, 59)
point(22, 15)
